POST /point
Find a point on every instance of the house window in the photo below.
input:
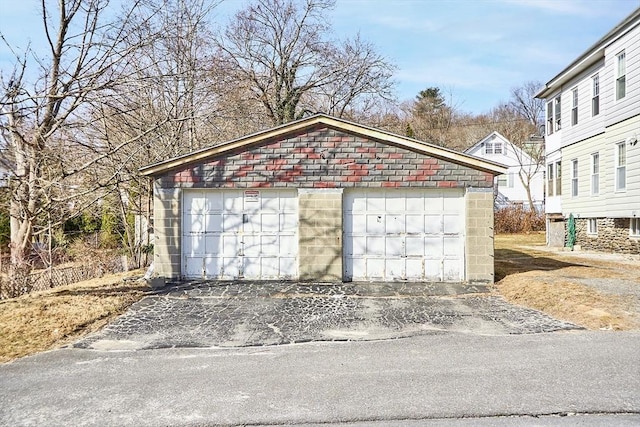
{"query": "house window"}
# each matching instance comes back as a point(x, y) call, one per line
point(502, 181)
point(574, 178)
point(491, 147)
point(595, 96)
point(621, 76)
point(549, 117)
point(621, 167)
point(595, 173)
point(558, 178)
point(550, 179)
point(574, 107)
point(557, 111)
point(592, 226)
point(634, 227)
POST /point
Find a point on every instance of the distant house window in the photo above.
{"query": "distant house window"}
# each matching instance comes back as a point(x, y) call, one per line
point(502, 181)
point(493, 147)
point(558, 178)
point(574, 107)
point(549, 117)
point(595, 95)
point(550, 179)
point(621, 166)
point(621, 76)
point(595, 173)
point(634, 227)
point(574, 178)
point(592, 226)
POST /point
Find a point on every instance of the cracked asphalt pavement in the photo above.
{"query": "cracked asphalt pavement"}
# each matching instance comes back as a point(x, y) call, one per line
point(241, 314)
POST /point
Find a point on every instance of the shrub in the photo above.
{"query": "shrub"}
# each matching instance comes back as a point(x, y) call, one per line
point(515, 219)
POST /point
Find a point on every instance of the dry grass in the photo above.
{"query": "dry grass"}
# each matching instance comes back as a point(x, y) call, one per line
point(549, 282)
point(49, 319)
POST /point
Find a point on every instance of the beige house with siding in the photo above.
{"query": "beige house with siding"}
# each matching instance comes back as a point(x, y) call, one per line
point(324, 199)
point(592, 149)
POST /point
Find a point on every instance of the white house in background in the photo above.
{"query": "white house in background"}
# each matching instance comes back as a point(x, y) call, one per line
point(511, 189)
point(592, 149)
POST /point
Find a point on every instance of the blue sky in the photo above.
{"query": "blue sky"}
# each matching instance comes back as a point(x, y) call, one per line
point(475, 50)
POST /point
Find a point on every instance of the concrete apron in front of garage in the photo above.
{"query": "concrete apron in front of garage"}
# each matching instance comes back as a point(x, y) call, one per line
point(239, 313)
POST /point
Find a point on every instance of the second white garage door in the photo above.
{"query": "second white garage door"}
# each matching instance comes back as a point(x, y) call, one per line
point(414, 235)
point(232, 234)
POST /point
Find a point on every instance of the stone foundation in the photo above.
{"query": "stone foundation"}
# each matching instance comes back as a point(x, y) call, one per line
point(613, 236)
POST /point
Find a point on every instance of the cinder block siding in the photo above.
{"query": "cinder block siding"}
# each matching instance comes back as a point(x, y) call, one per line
point(320, 234)
point(613, 236)
point(479, 254)
point(325, 158)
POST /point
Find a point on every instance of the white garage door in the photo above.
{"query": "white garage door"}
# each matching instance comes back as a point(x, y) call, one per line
point(250, 234)
point(413, 235)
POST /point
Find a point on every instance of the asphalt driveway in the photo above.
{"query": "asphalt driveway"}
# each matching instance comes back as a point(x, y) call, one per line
point(240, 314)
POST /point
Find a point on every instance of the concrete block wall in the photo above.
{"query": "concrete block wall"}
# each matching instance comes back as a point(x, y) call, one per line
point(320, 234)
point(326, 158)
point(167, 214)
point(479, 249)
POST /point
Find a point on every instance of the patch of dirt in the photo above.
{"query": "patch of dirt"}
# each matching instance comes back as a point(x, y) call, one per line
point(570, 286)
point(47, 319)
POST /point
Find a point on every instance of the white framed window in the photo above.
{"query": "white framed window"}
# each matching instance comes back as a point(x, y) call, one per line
point(592, 226)
point(595, 95)
point(634, 227)
point(549, 117)
point(621, 166)
point(621, 76)
point(595, 173)
point(493, 147)
point(574, 106)
point(558, 178)
point(574, 178)
point(550, 179)
point(557, 107)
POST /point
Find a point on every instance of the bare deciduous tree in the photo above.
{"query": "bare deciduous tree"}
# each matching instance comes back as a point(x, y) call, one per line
point(43, 104)
point(279, 51)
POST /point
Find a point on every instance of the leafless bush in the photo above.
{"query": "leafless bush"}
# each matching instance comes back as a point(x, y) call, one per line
point(515, 219)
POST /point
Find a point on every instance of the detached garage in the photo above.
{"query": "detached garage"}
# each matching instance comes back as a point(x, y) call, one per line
point(328, 200)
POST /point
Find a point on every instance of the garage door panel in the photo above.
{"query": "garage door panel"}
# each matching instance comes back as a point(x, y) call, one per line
point(374, 224)
point(193, 266)
point(395, 223)
point(373, 245)
point(451, 246)
point(213, 222)
point(414, 223)
point(433, 246)
point(232, 233)
point(414, 269)
point(451, 224)
point(433, 224)
point(193, 245)
point(231, 245)
point(212, 266)
point(418, 235)
point(230, 268)
point(270, 222)
point(414, 246)
point(394, 269)
point(288, 246)
point(394, 246)
point(451, 269)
